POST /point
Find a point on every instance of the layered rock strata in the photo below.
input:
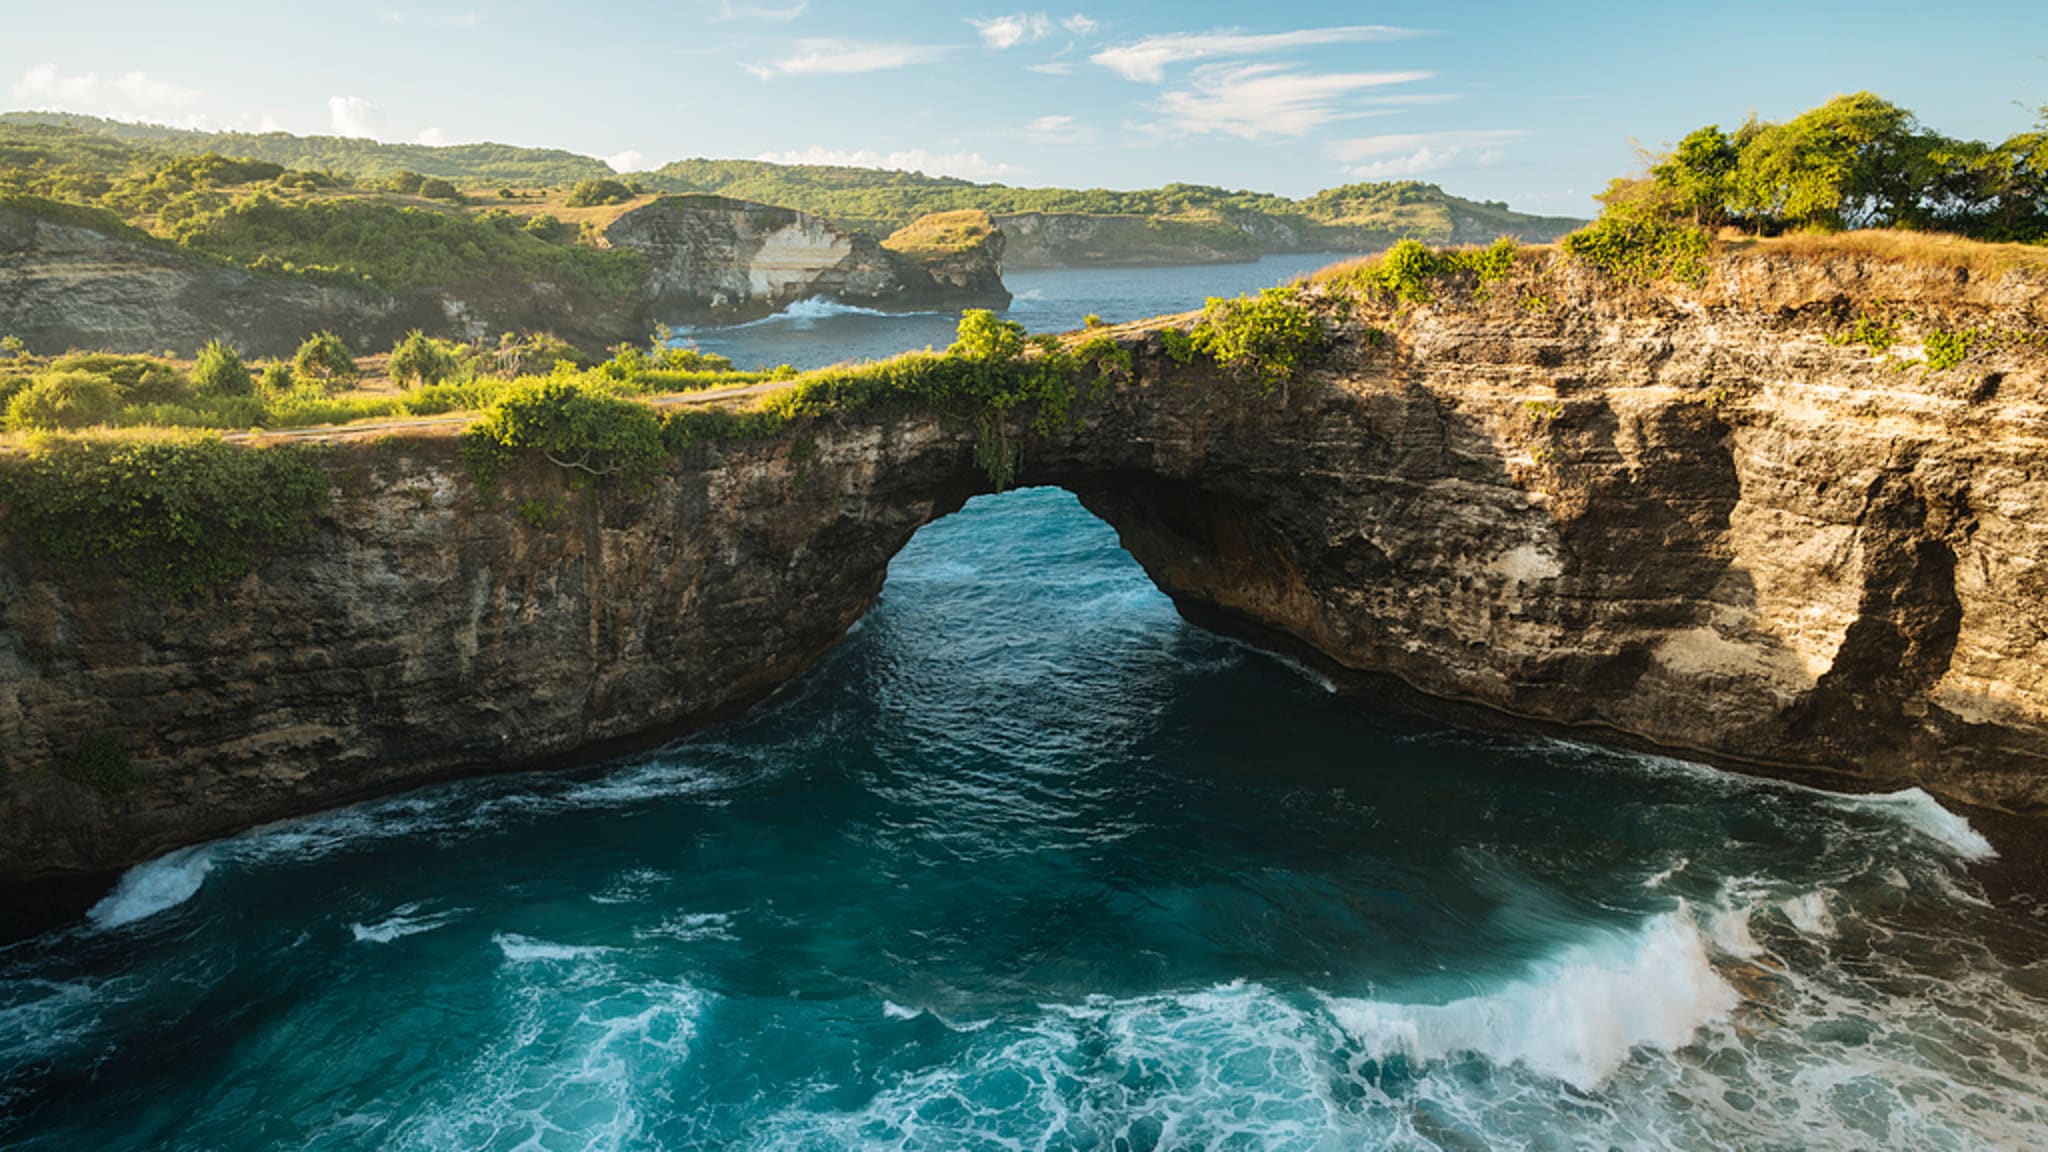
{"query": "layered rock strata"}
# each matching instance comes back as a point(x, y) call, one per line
point(1689, 517)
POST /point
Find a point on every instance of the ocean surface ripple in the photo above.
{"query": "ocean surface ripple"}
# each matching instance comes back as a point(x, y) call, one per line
point(1028, 862)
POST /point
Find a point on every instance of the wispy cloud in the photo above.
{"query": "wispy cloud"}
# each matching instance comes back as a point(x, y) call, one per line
point(626, 161)
point(131, 95)
point(1052, 68)
point(1079, 25)
point(821, 57)
point(354, 116)
point(966, 165)
point(728, 11)
point(1414, 153)
point(1058, 130)
point(1146, 60)
point(1009, 31)
point(1269, 100)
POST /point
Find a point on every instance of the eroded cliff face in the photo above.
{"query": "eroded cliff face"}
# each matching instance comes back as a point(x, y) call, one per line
point(1683, 516)
point(65, 284)
point(720, 260)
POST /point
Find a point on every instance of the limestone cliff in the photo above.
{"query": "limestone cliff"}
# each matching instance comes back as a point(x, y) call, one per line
point(68, 283)
point(720, 260)
point(1685, 516)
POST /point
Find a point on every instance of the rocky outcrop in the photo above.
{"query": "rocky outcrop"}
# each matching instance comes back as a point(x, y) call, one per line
point(69, 281)
point(73, 280)
point(1092, 240)
point(65, 284)
point(715, 260)
point(1686, 517)
point(1086, 240)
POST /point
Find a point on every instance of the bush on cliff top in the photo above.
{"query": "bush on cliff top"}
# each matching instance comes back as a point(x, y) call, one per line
point(174, 514)
point(570, 425)
point(58, 400)
point(1269, 338)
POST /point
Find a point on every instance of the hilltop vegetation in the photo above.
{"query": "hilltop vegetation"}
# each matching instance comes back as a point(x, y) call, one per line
point(882, 201)
point(1856, 162)
point(78, 158)
point(469, 165)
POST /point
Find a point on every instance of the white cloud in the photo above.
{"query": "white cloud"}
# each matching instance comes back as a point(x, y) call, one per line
point(1079, 25)
point(1058, 130)
point(627, 161)
point(433, 137)
point(966, 165)
point(1052, 68)
point(816, 57)
point(1146, 60)
point(354, 116)
point(1408, 154)
point(129, 96)
point(1010, 31)
point(1266, 100)
point(727, 10)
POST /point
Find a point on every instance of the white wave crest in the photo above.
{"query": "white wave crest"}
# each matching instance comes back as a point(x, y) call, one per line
point(403, 921)
point(689, 927)
point(527, 950)
point(156, 886)
point(1924, 814)
point(1575, 1018)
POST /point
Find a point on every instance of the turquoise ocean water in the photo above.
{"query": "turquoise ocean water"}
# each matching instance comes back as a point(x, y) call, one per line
point(1030, 863)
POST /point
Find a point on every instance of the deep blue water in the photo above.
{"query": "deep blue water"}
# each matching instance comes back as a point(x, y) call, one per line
point(1028, 862)
point(816, 333)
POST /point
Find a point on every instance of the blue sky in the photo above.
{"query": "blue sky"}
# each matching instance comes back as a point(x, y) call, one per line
point(1532, 103)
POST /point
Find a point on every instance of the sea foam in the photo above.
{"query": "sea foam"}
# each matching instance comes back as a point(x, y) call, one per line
point(1575, 1017)
point(156, 886)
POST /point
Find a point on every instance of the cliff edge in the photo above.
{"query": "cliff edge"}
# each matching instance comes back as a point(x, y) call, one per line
point(1790, 517)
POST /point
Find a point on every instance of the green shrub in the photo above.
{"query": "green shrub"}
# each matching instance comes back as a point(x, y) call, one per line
point(1405, 270)
point(220, 371)
point(174, 514)
point(546, 226)
point(596, 193)
point(1636, 240)
point(63, 400)
point(422, 360)
point(140, 379)
point(1945, 349)
point(1269, 338)
point(531, 354)
point(1179, 345)
point(12, 347)
point(325, 358)
point(590, 433)
point(1091, 320)
point(276, 379)
point(983, 338)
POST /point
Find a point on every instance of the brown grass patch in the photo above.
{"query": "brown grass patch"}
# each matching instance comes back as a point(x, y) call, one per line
point(1896, 246)
point(942, 233)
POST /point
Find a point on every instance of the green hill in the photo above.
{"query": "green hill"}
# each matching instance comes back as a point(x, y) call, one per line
point(469, 165)
point(1197, 221)
point(1353, 216)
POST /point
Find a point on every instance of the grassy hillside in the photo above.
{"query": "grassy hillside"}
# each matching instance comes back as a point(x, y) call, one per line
point(468, 165)
point(1355, 216)
point(882, 201)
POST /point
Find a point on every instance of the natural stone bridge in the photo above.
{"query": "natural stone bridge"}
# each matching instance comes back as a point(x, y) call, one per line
point(1685, 519)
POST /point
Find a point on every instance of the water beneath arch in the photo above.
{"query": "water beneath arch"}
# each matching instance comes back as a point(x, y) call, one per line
point(1029, 862)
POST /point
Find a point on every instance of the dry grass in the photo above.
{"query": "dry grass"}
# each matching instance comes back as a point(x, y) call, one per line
point(1925, 249)
point(942, 233)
